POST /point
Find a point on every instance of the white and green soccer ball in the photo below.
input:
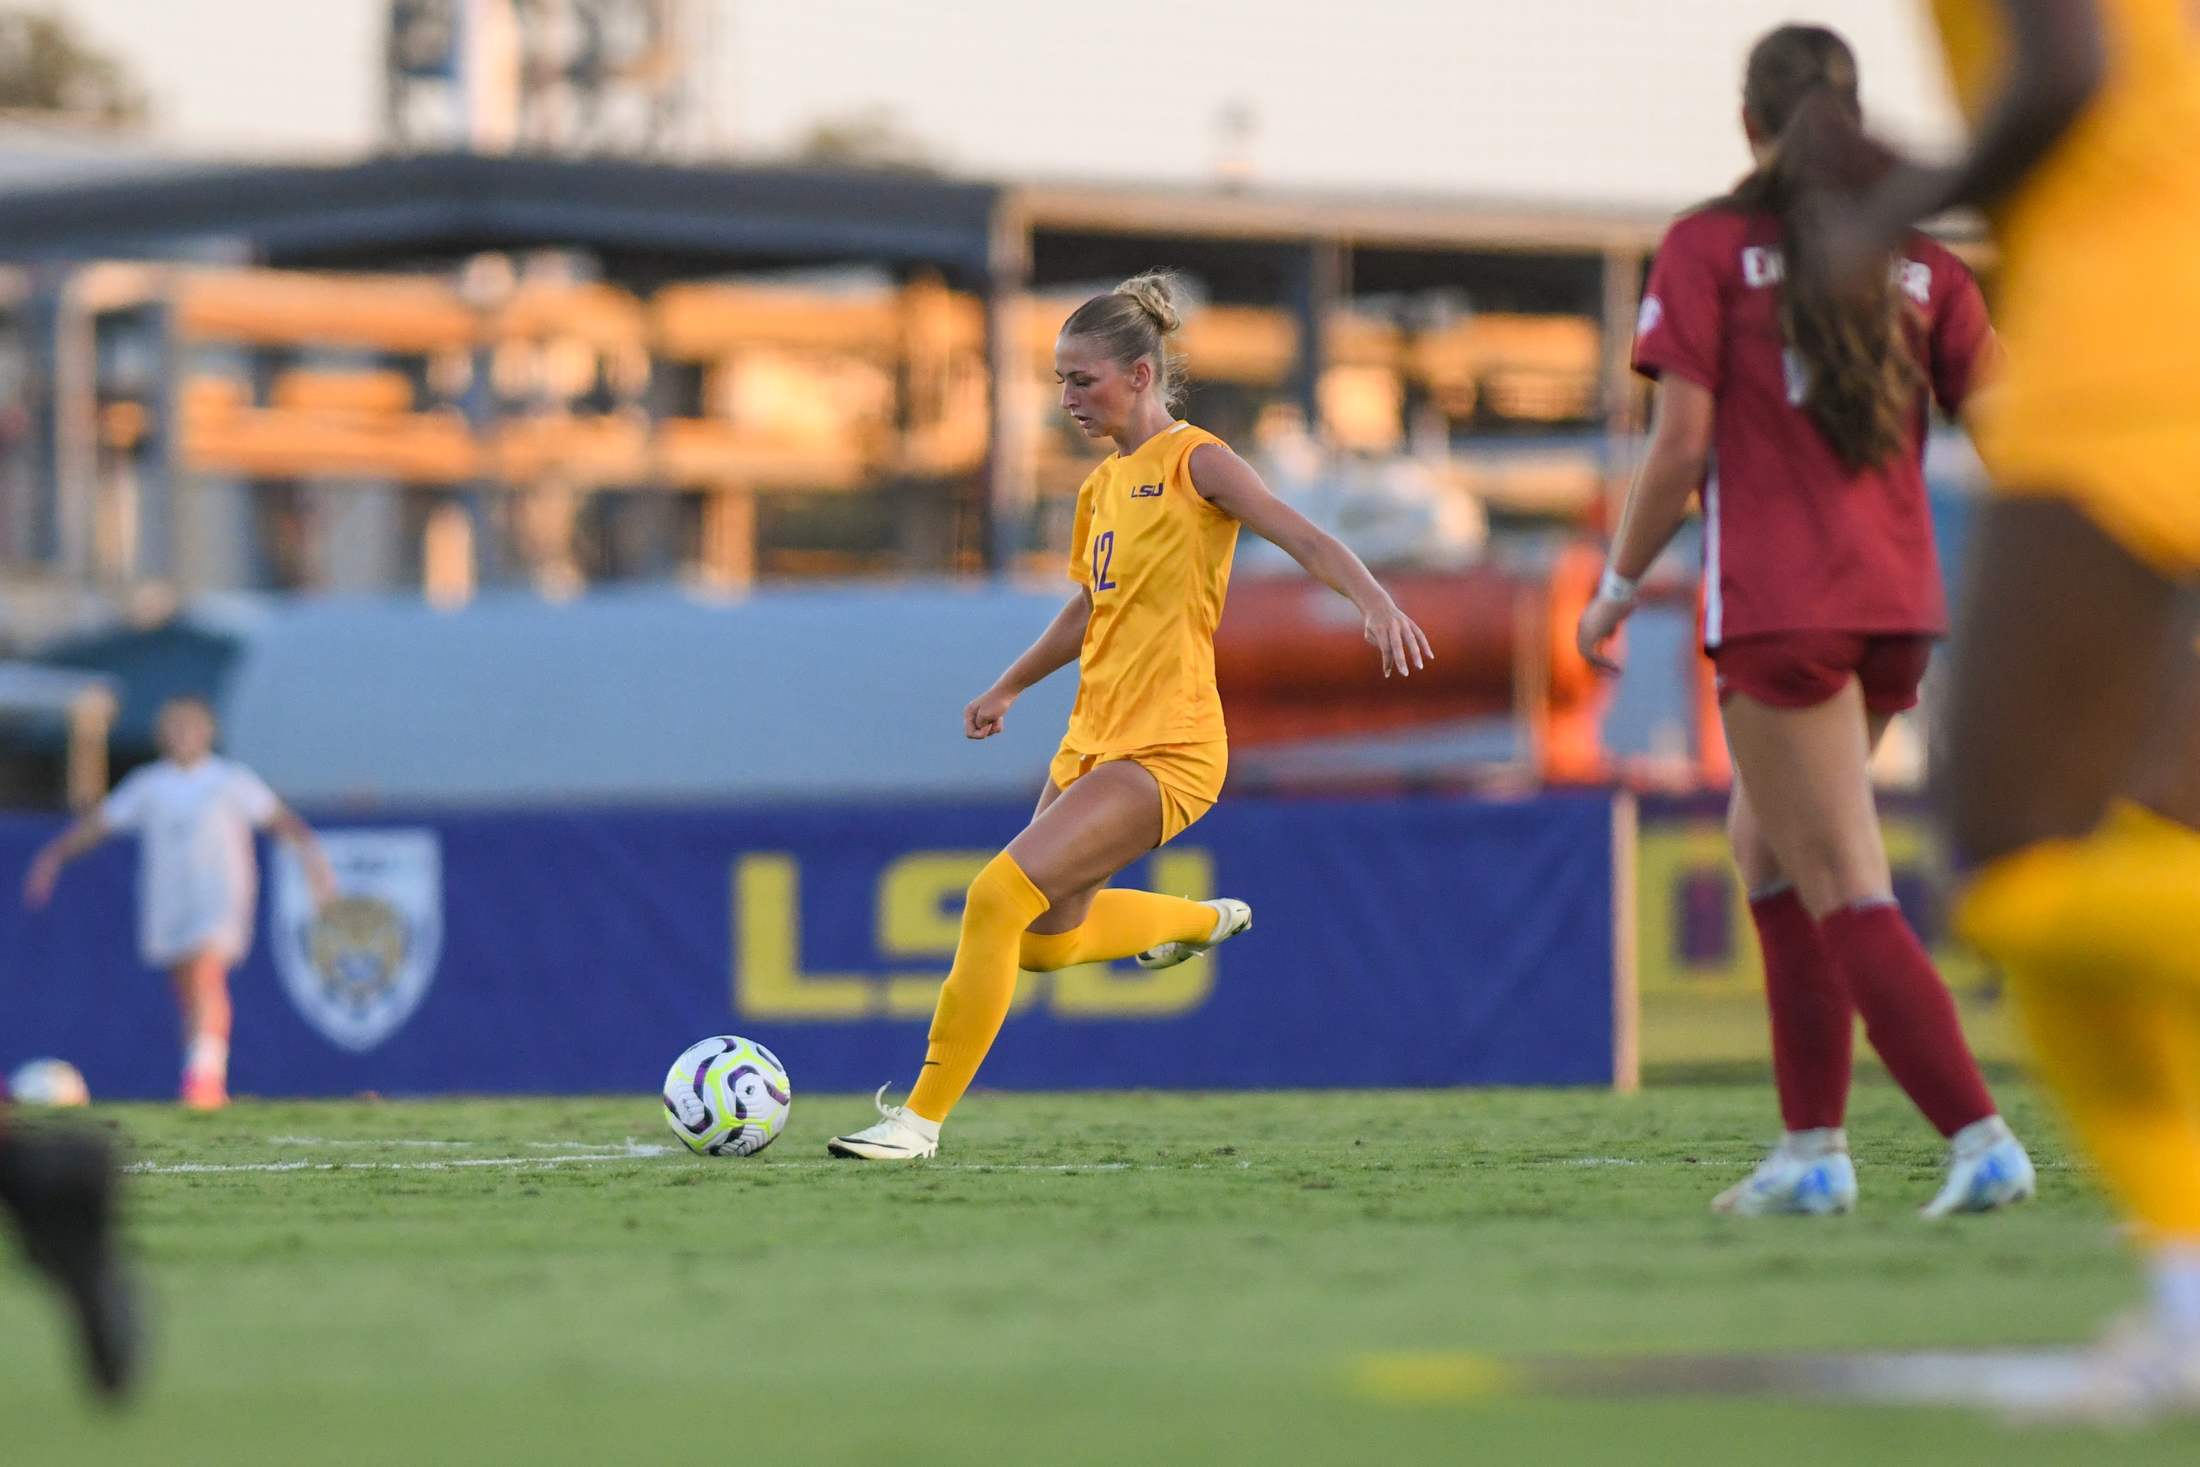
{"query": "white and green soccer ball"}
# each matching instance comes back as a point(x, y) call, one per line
point(727, 1096)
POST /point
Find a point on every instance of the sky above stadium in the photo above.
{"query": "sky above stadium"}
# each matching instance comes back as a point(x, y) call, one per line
point(1621, 101)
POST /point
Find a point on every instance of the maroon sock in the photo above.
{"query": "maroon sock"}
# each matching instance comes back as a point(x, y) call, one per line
point(1813, 1023)
point(1908, 1015)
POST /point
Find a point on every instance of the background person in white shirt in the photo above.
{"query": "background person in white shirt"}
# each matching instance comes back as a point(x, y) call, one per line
point(194, 813)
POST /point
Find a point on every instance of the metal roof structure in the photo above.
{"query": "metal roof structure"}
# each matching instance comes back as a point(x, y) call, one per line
point(456, 203)
point(648, 224)
point(453, 204)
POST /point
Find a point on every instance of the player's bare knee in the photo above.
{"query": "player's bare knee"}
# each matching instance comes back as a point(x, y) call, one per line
point(1758, 868)
point(1754, 861)
point(1988, 819)
point(1832, 873)
point(1856, 880)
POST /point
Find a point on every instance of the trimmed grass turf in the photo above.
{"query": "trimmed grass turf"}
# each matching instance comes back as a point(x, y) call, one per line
point(1192, 1285)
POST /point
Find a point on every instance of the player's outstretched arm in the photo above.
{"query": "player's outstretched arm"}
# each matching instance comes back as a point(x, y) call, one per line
point(2057, 58)
point(292, 831)
point(1056, 649)
point(1673, 470)
point(1229, 484)
point(38, 883)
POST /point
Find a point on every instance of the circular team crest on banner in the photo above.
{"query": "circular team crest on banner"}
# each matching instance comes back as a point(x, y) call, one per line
point(356, 970)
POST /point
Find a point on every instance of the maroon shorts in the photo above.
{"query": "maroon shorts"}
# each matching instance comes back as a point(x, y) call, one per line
point(1804, 669)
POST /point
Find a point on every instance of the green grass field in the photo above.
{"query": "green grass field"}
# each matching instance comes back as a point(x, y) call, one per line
point(1080, 1279)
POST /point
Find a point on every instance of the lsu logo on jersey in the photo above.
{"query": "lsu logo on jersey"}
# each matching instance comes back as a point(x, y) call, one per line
point(1146, 491)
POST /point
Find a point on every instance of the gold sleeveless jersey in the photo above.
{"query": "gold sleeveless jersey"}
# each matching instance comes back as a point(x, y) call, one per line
point(1156, 558)
point(2098, 300)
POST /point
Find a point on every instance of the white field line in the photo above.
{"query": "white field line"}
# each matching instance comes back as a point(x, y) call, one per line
point(628, 1149)
point(629, 1152)
point(414, 1141)
point(586, 1152)
point(626, 1153)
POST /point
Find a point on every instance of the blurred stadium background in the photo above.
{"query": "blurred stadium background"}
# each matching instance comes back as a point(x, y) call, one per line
point(548, 409)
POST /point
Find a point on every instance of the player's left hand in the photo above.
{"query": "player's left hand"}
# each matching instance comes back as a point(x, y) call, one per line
point(1600, 622)
point(1395, 635)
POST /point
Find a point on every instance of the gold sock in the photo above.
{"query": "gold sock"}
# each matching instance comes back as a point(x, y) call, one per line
point(1050, 952)
point(1121, 924)
point(2125, 900)
point(2123, 1057)
point(974, 1000)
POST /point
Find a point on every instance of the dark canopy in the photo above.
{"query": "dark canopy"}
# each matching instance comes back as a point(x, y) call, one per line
point(151, 665)
point(639, 216)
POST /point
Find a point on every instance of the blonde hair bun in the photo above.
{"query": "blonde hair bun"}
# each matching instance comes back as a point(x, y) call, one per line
point(1160, 295)
point(1134, 322)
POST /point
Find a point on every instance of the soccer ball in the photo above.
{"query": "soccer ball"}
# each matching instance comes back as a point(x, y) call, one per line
point(48, 1082)
point(727, 1096)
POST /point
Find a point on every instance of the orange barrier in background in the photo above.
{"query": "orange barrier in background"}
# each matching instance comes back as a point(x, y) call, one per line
point(1293, 664)
point(1575, 698)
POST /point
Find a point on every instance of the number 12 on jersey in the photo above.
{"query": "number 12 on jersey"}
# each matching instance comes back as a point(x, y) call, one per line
point(1103, 556)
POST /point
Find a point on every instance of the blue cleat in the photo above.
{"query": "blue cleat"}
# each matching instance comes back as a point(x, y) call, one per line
point(1988, 1169)
point(1808, 1174)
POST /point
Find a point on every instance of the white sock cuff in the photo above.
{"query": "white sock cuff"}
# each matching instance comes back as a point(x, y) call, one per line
point(207, 1054)
point(1810, 1145)
point(929, 1130)
point(1980, 1134)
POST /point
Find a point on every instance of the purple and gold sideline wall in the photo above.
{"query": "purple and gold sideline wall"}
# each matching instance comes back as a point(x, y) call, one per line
point(1397, 943)
point(1695, 932)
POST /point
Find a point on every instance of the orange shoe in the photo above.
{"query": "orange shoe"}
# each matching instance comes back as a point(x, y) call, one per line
point(205, 1092)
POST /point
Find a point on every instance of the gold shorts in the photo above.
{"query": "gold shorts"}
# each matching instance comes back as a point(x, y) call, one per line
point(1190, 776)
point(2140, 482)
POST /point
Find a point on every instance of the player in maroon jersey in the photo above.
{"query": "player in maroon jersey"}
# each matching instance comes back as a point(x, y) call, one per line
point(1796, 404)
point(58, 1187)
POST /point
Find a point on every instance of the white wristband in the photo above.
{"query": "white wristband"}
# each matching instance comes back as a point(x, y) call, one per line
point(1612, 586)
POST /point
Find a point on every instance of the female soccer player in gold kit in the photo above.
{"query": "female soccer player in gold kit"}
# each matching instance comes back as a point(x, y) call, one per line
point(2072, 770)
point(1157, 525)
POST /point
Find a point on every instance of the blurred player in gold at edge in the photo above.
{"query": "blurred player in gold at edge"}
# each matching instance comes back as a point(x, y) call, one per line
point(2070, 776)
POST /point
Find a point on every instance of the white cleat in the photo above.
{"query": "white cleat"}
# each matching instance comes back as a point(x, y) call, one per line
point(1988, 1169)
point(1821, 1183)
point(898, 1136)
point(2139, 1372)
point(1231, 917)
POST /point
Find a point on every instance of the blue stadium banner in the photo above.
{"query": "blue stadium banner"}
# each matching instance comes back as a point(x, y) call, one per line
point(1410, 942)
